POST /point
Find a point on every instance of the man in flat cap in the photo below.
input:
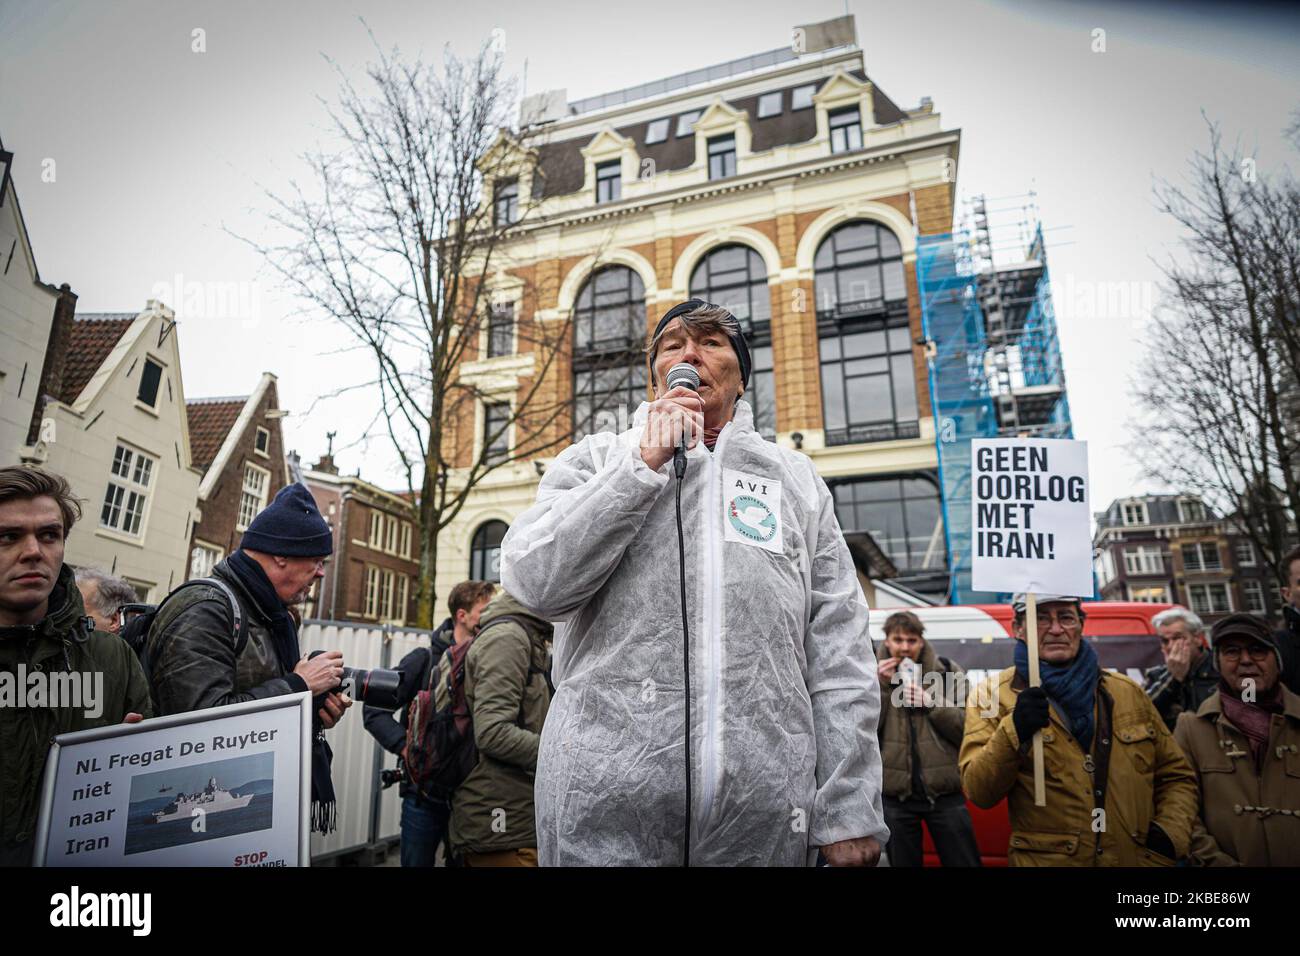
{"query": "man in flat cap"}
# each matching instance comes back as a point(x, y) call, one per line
point(1244, 744)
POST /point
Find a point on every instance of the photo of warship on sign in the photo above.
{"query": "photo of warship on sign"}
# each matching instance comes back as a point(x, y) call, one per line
point(211, 799)
point(200, 802)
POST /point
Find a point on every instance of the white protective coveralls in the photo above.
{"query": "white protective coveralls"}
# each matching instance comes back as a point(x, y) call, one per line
point(784, 695)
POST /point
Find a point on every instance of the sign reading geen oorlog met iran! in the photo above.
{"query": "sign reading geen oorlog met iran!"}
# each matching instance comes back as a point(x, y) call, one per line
point(1030, 516)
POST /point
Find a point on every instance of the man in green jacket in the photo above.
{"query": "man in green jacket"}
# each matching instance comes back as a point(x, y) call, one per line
point(44, 631)
point(492, 816)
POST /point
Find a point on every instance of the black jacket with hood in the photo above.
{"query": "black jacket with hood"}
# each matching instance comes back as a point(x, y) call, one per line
point(389, 727)
point(65, 641)
point(192, 656)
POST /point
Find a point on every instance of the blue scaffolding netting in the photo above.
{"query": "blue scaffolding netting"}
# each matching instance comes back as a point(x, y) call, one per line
point(994, 369)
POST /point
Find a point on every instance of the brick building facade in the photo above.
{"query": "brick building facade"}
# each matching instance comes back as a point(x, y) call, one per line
point(789, 188)
point(1172, 548)
point(237, 442)
point(372, 575)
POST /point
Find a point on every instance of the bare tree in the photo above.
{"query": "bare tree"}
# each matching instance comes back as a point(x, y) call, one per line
point(400, 237)
point(1220, 379)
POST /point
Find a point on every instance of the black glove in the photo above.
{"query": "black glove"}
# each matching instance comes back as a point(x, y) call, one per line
point(1158, 841)
point(1031, 713)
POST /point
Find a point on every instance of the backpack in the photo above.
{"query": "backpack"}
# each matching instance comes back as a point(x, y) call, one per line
point(136, 631)
point(440, 748)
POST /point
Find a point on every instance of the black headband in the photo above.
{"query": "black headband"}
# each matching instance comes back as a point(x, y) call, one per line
point(737, 341)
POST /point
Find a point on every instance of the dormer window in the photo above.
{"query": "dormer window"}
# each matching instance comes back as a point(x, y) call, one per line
point(769, 104)
point(846, 130)
point(656, 131)
point(1190, 511)
point(722, 157)
point(1134, 512)
point(801, 97)
point(507, 203)
point(686, 122)
point(609, 182)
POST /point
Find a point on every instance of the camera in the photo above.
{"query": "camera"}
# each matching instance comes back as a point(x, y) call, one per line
point(391, 776)
point(378, 687)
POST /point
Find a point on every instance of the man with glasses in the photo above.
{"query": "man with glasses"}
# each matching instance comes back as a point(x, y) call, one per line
point(1188, 676)
point(1243, 743)
point(104, 595)
point(1119, 792)
point(199, 658)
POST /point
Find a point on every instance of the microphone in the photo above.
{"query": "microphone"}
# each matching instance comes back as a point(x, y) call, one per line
point(683, 373)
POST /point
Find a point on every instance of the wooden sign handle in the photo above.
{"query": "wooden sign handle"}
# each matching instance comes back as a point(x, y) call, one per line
point(1031, 641)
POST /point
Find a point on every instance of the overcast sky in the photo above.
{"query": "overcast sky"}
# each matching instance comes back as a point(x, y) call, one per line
point(157, 150)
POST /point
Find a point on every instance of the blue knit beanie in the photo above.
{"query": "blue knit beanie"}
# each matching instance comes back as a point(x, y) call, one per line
point(291, 526)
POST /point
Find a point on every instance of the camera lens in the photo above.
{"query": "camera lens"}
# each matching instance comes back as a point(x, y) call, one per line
point(378, 687)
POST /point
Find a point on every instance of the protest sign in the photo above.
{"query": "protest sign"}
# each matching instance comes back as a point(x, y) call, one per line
point(1031, 532)
point(1029, 508)
point(229, 786)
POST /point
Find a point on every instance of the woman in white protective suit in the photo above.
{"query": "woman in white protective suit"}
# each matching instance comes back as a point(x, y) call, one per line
point(783, 691)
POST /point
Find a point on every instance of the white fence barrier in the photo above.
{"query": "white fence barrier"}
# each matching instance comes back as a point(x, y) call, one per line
point(366, 815)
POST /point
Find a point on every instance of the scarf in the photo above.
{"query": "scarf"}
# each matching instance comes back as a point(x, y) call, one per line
point(1072, 686)
point(284, 641)
point(1252, 719)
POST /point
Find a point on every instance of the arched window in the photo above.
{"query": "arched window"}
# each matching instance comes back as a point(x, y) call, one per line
point(485, 551)
point(902, 513)
point(859, 270)
point(735, 277)
point(609, 369)
point(868, 374)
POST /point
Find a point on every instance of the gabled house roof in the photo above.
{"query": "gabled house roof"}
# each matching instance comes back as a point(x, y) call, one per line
point(93, 338)
point(99, 344)
point(10, 198)
point(215, 427)
point(211, 420)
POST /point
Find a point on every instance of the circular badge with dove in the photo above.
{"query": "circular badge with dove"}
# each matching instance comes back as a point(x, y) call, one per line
point(752, 518)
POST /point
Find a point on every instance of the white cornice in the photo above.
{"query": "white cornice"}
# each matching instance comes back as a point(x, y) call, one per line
point(824, 164)
point(811, 67)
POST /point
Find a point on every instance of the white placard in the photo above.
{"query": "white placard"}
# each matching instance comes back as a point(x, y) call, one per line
point(229, 786)
point(1029, 515)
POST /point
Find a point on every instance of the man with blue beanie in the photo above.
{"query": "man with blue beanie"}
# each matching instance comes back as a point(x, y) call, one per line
point(201, 654)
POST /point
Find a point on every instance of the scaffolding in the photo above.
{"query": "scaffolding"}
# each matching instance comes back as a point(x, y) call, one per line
point(994, 361)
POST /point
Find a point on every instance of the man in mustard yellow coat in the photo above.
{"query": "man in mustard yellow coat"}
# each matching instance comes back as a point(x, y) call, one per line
point(1119, 791)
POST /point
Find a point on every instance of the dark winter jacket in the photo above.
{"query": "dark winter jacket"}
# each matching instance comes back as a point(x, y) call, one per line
point(192, 651)
point(505, 687)
point(1173, 697)
point(64, 641)
point(931, 733)
point(389, 727)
